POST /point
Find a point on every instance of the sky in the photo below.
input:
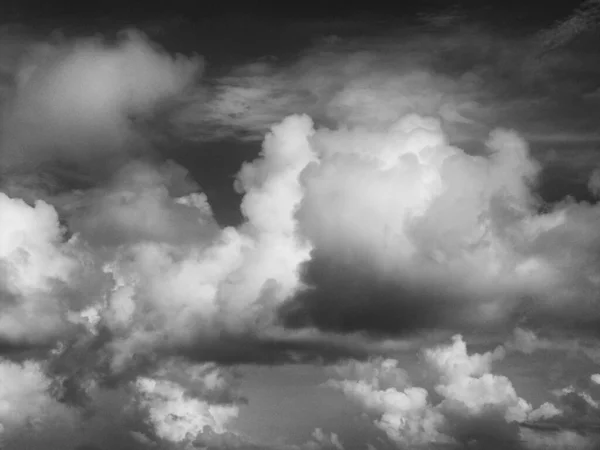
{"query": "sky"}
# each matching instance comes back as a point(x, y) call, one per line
point(310, 227)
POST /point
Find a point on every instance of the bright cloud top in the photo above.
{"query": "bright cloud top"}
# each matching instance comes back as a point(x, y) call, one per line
point(374, 225)
point(475, 408)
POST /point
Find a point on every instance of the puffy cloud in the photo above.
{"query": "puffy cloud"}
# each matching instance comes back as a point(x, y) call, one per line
point(467, 381)
point(31, 417)
point(595, 378)
point(74, 101)
point(413, 219)
point(223, 281)
point(178, 416)
point(25, 398)
point(132, 267)
point(177, 403)
point(43, 275)
point(473, 407)
point(545, 411)
point(377, 224)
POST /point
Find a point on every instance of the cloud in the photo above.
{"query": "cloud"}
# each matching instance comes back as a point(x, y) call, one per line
point(472, 79)
point(363, 223)
point(441, 229)
point(368, 82)
point(74, 102)
point(581, 21)
point(43, 274)
point(177, 403)
point(112, 279)
point(473, 408)
point(33, 418)
point(223, 280)
point(146, 267)
point(176, 416)
point(413, 219)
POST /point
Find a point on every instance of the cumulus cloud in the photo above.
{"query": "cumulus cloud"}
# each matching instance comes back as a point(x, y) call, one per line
point(167, 409)
point(43, 274)
point(434, 236)
point(75, 101)
point(361, 221)
point(114, 277)
point(33, 418)
point(474, 408)
point(176, 413)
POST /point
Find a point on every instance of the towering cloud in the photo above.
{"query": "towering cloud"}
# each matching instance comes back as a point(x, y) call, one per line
point(434, 236)
point(117, 275)
point(363, 221)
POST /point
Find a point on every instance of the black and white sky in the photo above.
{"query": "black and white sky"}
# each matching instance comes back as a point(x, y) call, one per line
point(300, 226)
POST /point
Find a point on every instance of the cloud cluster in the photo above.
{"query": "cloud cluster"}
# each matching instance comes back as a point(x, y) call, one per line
point(470, 407)
point(436, 237)
point(43, 274)
point(166, 410)
point(361, 221)
point(179, 404)
point(107, 281)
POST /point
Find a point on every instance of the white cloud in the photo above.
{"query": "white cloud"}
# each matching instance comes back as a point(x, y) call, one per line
point(177, 403)
point(545, 411)
point(475, 405)
point(466, 381)
point(25, 399)
point(232, 279)
point(454, 238)
point(176, 415)
point(37, 267)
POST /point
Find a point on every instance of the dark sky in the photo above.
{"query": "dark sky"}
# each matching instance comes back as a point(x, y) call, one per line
point(521, 10)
